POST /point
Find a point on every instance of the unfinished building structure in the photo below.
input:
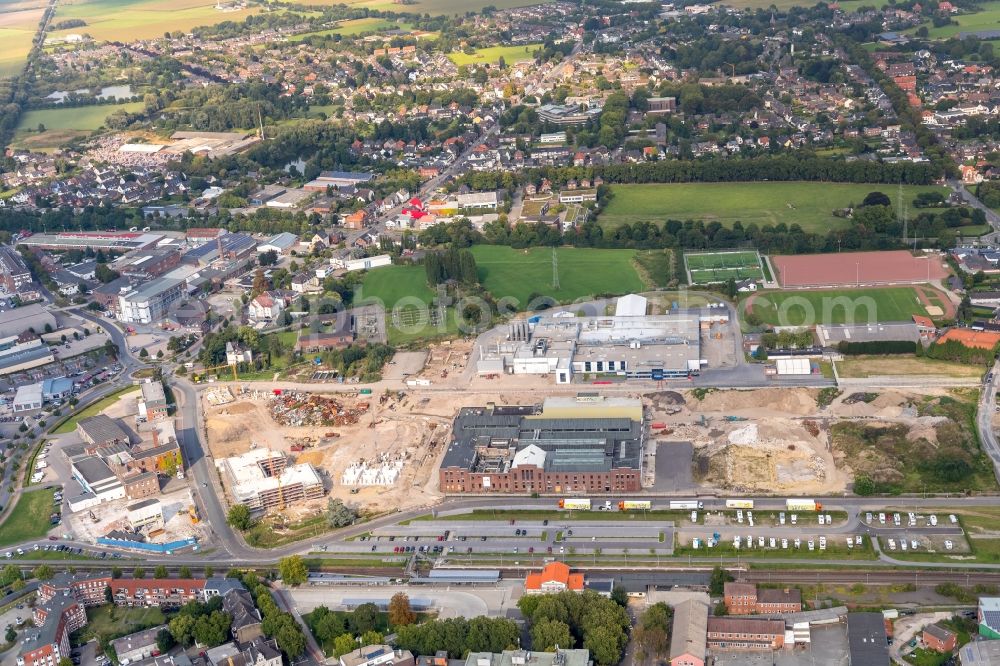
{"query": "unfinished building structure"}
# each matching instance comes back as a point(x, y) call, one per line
point(263, 480)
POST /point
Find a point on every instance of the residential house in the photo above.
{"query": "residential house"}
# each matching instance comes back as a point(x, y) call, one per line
point(939, 639)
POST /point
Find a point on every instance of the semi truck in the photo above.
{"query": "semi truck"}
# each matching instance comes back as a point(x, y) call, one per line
point(575, 503)
point(635, 505)
point(686, 504)
point(739, 503)
point(803, 505)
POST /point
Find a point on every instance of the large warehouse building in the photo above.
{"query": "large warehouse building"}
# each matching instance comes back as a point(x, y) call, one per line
point(629, 344)
point(587, 444)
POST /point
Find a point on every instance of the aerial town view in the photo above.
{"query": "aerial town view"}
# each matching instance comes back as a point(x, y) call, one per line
point(511, 333)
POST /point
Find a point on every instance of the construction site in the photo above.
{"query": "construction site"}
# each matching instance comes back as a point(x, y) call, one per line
point(374, 452)
point(795, 441)
point(383, 452)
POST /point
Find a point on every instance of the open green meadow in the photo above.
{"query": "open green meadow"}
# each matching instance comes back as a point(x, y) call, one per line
point(491, 55)
point(128, 20)
point(83, 118)
point(808, 204)
point(29, 518)
point(390, 284)
point(986, 19)
point(835, 306)
point(706, 268)
point(355, 27)
point(506, 271)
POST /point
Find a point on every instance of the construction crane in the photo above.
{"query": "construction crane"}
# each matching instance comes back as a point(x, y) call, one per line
point(231, 366)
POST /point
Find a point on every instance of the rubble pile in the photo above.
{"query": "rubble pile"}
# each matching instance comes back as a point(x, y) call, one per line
point(296, 408)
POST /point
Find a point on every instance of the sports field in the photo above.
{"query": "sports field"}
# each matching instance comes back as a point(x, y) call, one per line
point(129, 20)
point(835, 306)
point(856, 269)
point(583, 272)
point(710, 267)
point(510, 54)
point(808, 204)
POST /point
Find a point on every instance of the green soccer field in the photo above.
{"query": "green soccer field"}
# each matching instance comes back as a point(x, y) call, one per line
point(709, 267)
point(835, 306)
point(583, 272)
point(809, 205)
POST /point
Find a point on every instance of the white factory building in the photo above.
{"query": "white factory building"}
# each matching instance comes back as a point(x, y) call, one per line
point(629, 344)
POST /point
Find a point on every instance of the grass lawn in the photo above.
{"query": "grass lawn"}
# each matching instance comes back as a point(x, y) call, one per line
point(810, 205)
point(81, 118)
point(987, 19)
point(925, 657)
point(655, 267)
point(510, 54)
point(874, 366)
point(29, 518)
point(391, 284)
point(129, 20)
point(836, 306)
point(94, 409)
point(508, 272)
point(124, 621)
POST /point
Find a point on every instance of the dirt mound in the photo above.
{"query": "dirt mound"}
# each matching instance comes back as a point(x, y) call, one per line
point(789, 401)
point(772, 455)
point(664, 398)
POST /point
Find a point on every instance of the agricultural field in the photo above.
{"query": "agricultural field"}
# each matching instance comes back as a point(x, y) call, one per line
point(433, 7)
point(810, 205)
point(986, 19)
point(142, 19)
point(505, 271)
point(835, 306)
point(491, 55)
point(355, 27)
point(713, 267)
point(18, 25)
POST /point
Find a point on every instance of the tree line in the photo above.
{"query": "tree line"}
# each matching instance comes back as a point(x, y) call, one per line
point(452, 264)
point(572, 619)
